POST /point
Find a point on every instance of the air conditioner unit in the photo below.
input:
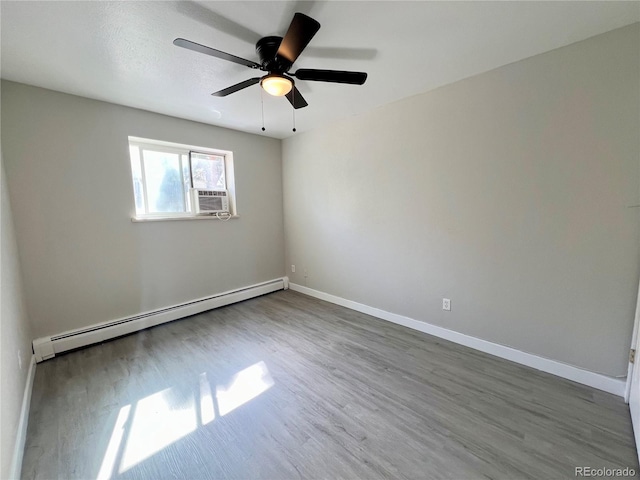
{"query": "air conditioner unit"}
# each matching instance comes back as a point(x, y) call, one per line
point(207, 202)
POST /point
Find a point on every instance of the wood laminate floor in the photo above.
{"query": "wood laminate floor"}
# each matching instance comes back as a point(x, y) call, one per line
point(285, 386)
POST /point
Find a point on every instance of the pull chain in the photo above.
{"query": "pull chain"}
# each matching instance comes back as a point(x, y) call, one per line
point(262, 105)
point(293, 96)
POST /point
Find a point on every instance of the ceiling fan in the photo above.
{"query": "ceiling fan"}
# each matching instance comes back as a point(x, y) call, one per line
point(277, 55)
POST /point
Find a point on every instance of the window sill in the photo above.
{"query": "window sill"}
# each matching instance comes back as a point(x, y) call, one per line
point(171, 219)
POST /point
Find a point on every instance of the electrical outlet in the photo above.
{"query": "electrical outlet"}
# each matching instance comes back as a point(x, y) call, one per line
point(19, 359)
point(446, 304)
point(305, 272)
point(293, 269)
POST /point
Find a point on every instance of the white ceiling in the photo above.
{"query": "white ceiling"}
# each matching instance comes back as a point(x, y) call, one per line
point(122, 52)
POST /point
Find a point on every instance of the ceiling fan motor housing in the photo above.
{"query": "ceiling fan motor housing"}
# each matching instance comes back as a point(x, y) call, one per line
point(267, 48)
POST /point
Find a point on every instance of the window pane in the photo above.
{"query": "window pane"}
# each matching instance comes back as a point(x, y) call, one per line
point(163, 181)
point(136, 171)
point(208, 171)
point(186, 180)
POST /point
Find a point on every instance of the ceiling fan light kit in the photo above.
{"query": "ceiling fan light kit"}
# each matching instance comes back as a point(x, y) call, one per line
point(276, 85)
point(277, 56)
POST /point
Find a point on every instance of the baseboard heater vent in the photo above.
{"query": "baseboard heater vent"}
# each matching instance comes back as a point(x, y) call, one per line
point(47, 347)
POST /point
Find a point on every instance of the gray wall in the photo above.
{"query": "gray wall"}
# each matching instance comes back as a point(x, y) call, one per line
point(83, 260)
point(15, 333)
point(507, 192)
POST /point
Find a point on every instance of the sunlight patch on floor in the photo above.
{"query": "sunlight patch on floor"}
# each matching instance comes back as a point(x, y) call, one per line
point(158, 421)
point(244, 386)
point(207, 410)
point(110, 456)
point(163, 418)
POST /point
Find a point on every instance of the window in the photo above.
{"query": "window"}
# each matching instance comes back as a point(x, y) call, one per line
point(164, 174)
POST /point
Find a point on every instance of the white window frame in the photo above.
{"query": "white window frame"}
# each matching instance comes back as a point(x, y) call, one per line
point(180, 150)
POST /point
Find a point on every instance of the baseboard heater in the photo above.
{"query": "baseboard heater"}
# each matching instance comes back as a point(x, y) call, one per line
point(47, 347)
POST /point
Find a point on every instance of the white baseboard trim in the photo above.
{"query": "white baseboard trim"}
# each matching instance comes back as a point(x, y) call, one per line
point(570, 372)
point(48, 347)
point(21, 434)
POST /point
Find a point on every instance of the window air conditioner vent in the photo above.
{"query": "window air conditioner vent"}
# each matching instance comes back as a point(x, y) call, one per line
point(210, 201)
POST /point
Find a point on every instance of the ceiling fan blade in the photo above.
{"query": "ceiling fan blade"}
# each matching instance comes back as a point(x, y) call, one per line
point(300, 33)
point(234, 88)
point(335, 76)
point(296, 99)
point(196, 47)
